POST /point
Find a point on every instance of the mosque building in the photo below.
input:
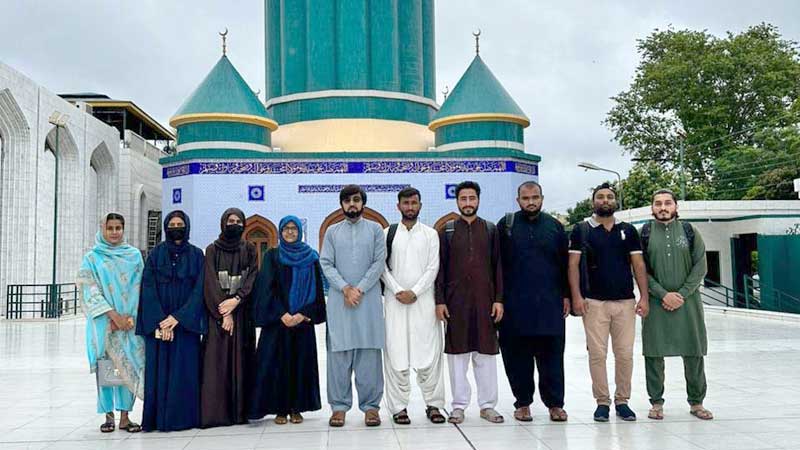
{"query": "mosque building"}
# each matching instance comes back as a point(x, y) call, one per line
point(350, 98)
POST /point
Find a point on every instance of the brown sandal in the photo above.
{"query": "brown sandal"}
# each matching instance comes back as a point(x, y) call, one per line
point(337, 419)
point(700, 412)
point(296, 418)
point(656, 412)
point(281, 420)
point(523, 414)
point(558, 414)
point(372, 418)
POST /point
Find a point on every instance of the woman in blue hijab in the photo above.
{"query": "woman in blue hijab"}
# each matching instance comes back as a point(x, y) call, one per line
point(108, 283)
point(288, 301)
point(171, 318)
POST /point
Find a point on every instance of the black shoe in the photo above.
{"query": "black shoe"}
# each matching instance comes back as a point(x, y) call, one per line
point(625, 413)
point(601, 413)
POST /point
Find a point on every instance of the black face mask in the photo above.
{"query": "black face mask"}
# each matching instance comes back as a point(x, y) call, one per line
point(176, 234)
point(233, 231)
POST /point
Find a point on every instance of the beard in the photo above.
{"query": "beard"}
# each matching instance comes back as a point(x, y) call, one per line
point(410, 215)
point(530, 214)
point(351, 214)
point(671, 217)
point(605, 211)
point(470, 213)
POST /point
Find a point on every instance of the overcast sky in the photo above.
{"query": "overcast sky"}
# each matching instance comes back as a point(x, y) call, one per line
point(561, 60)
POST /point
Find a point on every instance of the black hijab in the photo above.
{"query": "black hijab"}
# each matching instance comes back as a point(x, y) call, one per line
point(176, 249)
point(223, 242)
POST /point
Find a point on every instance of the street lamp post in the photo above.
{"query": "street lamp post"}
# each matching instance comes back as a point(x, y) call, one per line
point(59, 120)
point(590, 166)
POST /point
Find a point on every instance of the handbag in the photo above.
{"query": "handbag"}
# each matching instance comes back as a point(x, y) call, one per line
point(107, 373)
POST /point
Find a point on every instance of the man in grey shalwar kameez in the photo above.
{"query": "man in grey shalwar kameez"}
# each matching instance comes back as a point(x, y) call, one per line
point(352, 259)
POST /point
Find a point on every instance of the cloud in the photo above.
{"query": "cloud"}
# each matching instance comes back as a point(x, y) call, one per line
point(560, 60)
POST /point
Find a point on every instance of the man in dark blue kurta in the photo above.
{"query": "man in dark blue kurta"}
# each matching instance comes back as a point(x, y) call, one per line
point(536, 291)
point(171, 319)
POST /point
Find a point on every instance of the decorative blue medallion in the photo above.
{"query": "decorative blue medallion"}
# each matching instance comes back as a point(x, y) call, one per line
point(177, 196)
point(450, 191)
point(255, 193)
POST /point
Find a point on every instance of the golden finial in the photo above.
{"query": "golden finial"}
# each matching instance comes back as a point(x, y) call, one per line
point(446, 91)
point(477, 35)
point(224, 39)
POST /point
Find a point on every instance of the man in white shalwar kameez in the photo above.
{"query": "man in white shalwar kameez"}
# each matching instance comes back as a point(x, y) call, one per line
point(413, 333)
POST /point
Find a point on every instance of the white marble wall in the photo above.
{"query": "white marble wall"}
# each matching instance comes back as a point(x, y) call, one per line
point(93, 175)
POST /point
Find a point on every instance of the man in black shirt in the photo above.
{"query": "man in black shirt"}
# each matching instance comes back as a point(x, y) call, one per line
point(602, 251)
point(537, 300)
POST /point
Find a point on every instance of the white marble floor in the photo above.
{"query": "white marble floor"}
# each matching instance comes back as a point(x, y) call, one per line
point(47, 400)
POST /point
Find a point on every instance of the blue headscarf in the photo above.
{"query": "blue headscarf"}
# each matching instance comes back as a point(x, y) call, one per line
point(301, 258)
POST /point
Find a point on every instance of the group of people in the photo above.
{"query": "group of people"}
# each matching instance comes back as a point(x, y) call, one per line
point(180, 330)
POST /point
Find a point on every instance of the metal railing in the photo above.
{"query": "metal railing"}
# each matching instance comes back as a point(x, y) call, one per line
point(35, 301)
point(770, 298)
point(717, 294)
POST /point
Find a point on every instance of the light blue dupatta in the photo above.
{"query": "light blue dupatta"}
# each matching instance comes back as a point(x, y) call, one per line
point(109, 278)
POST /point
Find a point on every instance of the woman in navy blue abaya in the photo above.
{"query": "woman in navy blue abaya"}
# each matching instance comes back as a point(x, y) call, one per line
point(287, 302)
point(172, 318)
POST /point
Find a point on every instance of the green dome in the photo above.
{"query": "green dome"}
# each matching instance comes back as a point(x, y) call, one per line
point(479, 96)
point(223, 96)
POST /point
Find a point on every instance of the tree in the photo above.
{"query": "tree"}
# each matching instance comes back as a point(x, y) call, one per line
point(580, 211)
point(707, 94)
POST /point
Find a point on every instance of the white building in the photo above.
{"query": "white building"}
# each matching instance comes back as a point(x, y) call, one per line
point(97, 172)
point(742, 237)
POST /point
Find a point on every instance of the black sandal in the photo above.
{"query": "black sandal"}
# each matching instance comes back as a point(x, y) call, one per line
point(109, 425)
point(131, 427)
point(434, 415)
point(402, 418)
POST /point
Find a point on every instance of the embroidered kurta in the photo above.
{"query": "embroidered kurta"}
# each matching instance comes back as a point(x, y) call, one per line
point(109, 279)
point(354, 254)
point(469, 281)
point(286, 377)
point(172, 285)
point(674, 267)
point(414, 336)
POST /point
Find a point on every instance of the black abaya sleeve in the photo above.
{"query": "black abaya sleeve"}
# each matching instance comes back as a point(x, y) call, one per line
point(266, 305)
point(192, 315)
point(150, 312)
point(316, 311)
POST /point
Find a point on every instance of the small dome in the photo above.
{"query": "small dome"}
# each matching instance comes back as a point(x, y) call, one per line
point(479, 96)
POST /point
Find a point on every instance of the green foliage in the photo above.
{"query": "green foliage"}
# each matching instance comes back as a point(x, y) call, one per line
point(582, 210)
point(733, 103)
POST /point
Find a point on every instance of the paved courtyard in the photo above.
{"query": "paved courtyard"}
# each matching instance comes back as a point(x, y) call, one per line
point(47, 401)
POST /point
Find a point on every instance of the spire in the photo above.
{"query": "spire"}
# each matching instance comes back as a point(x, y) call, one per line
point(446, 91)
point(477, 41)
point(478, 96)
point(224, 43)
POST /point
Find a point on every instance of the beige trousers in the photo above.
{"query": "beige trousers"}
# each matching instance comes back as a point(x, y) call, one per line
point(616, 318)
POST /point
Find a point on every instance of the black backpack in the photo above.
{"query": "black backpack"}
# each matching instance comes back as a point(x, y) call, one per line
point(644, 235)
point(389, 242)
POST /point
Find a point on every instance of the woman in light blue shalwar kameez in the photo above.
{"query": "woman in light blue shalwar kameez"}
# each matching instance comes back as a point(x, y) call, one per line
point(108, 283)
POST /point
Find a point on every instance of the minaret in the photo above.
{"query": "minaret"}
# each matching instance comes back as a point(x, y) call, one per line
point(350, 75)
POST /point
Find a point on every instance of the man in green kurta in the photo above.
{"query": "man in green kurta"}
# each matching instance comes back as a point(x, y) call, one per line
point(676, 266)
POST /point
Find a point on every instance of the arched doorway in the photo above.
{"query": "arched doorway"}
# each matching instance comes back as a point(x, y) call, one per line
point(439, 225)
point(262, 233)
point(338, 216)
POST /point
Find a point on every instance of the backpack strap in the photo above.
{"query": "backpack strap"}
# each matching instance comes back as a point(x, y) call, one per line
point(389, 242)
point(509, 223)
point(688, 230)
